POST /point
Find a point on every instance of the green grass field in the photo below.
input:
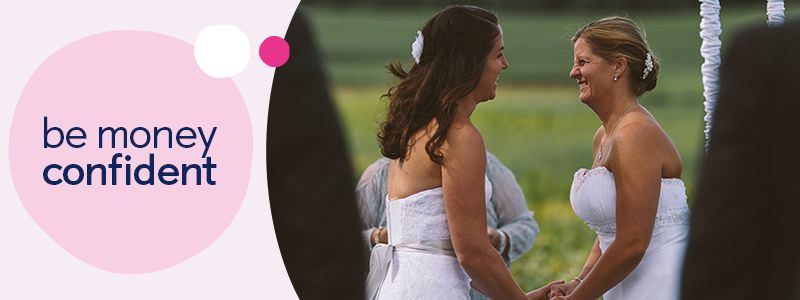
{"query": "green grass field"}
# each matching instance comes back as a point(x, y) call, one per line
point(536, 125)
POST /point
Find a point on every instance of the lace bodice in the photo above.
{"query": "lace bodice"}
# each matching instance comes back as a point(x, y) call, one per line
point(420, 216)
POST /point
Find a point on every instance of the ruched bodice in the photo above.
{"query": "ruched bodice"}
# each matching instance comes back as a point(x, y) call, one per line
point(594, 197)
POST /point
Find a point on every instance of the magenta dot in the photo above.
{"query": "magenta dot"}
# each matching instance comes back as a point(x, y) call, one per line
point(274, 51)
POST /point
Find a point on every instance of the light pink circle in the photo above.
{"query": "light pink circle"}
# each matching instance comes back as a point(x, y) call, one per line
point(130, 79)
point(274, 51)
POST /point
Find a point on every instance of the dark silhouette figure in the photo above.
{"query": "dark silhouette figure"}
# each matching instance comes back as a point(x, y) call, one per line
point(310, 179)
point(745, 238)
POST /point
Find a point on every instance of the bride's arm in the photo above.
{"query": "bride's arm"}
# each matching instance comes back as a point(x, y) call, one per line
point(591, 260)
point(567, 287)
point(463, 172)
point(637, 175)
point(594, 255)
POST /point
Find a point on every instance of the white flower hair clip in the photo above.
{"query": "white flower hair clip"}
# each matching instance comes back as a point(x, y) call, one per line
point(416, 47)
point(648, 63)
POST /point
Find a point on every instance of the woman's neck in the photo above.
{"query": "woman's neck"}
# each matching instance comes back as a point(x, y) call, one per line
point(466, 106)
point(609, 112)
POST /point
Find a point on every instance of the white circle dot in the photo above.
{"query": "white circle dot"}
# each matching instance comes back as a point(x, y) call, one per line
point(222, 50)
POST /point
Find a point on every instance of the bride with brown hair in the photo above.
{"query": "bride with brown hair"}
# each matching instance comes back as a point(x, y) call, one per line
point(437, 190)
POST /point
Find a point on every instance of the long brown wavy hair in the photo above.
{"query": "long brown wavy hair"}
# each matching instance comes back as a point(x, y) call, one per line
point(456, 42)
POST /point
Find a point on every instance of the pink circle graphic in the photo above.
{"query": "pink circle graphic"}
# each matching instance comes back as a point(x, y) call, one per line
point(274, 51)
point(150, 85)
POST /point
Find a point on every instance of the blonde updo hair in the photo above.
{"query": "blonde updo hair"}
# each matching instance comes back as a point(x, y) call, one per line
point(617, 37)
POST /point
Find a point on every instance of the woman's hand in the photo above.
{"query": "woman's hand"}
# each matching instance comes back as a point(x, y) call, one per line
point(543, 292)
point(379, 236)
point(563, 289)
point(494, 237)
point(383, 236)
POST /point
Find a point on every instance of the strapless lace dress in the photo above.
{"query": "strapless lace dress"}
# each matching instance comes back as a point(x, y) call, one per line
point(418, 262)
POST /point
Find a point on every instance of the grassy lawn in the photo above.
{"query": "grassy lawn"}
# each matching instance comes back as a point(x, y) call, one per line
point(536, 125)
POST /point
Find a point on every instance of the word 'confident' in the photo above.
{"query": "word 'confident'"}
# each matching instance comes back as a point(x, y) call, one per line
point(138, 137)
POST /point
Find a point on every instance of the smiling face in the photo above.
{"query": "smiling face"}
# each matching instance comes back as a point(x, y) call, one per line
point(495, 63)
point(594, 74)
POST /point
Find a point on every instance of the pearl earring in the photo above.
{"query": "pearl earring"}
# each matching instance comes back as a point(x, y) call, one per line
point(615, 77)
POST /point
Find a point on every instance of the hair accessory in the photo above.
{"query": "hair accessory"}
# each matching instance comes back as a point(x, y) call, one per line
point(416, 47)
point(648, 65)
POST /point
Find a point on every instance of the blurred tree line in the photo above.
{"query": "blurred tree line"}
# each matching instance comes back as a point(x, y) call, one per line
point(535, 4)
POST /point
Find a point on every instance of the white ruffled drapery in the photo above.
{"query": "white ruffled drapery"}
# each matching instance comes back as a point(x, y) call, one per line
point(775, 12)
point(710, 30)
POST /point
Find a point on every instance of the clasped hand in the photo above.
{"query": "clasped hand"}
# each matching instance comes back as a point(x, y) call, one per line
point(562, 290)
point(543, 293)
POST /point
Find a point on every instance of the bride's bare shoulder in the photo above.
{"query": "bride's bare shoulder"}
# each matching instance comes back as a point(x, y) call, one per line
point(463, 133)
point(464, 145)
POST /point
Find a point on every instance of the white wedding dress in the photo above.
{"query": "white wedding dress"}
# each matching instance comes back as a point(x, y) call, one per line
point(593, 197)
point(419, 262)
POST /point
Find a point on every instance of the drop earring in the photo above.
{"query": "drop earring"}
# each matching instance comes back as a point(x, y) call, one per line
point(615, 77)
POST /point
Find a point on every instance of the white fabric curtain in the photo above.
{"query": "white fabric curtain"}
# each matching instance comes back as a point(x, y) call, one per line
point(710, 30)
